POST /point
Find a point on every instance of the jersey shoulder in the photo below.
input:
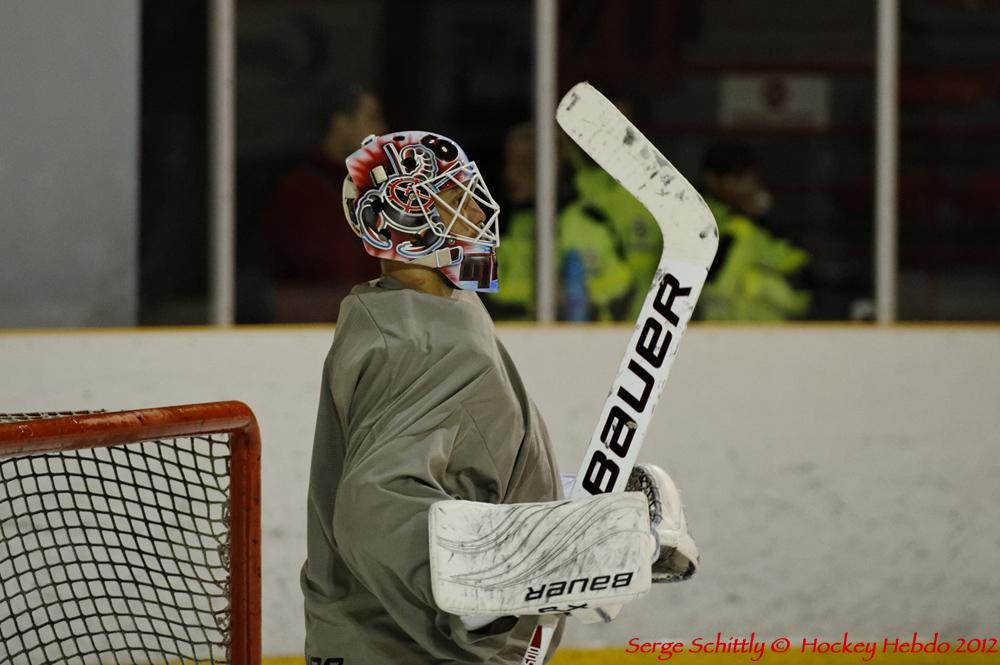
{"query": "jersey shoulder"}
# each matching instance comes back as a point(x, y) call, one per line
point(408, 321)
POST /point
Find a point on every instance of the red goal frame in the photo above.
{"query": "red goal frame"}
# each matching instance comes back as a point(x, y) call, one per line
point(61, 433)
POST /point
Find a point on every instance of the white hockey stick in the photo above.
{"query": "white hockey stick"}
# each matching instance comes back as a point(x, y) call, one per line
point(690, 239)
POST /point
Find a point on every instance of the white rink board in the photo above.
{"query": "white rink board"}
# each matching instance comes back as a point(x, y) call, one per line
point(836, 478)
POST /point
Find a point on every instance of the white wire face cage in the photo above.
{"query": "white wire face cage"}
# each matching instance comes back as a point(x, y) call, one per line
point(464, 208)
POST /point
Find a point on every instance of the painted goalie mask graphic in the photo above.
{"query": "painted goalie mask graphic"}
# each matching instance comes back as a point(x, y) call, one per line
point(416, 197)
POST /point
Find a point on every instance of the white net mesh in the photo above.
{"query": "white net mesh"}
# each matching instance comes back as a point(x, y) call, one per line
point(116, 554)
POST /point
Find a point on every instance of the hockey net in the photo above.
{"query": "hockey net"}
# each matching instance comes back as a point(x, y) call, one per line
point(130, 537)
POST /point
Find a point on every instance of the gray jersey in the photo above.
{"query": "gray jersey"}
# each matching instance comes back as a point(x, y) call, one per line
point(420, 403)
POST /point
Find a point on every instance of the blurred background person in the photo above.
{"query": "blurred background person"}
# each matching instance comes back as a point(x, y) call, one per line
point(753, 276)
point(515, 300)
point(587, 254)
point(313, 254)
point(591, 246)
point(617, 237)
point(516, 254)
point(607, 244)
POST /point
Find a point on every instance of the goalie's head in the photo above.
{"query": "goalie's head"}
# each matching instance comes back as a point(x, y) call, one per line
point(416, 197)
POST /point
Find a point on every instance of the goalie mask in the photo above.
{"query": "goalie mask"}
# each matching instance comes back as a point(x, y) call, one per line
point(415, 197)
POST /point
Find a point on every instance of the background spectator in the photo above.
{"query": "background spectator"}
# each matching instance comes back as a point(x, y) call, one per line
point(314, 255)
point(752, 277)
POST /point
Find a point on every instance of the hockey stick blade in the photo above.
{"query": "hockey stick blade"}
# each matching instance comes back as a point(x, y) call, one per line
point(690, 240)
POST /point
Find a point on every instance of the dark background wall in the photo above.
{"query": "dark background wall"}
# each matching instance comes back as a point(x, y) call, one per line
point(465, 69)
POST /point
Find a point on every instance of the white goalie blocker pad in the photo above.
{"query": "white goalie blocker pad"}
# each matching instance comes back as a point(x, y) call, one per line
point(535, 558)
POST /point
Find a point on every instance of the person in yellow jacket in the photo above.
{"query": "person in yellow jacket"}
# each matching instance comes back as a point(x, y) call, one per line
point(629, 257)
point(753, 273)
point(516, 253)
point(598, 266)
point(596, 282)
point(608, 245)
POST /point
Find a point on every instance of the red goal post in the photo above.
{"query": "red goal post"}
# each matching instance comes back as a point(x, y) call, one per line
point(88, 500)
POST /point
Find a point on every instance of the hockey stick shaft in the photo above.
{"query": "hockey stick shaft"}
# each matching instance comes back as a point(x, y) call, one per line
point(690, 239)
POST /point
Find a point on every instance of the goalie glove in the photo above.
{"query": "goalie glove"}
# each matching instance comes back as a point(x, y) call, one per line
point(677, 559)
point(676, 556)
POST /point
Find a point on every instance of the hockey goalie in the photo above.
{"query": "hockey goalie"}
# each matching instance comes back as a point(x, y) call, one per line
point(438, 531)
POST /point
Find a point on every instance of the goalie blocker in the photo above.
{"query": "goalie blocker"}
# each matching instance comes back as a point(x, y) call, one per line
point(539, 558)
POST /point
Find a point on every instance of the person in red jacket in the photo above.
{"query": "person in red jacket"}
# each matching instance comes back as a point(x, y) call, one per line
point(314, 256)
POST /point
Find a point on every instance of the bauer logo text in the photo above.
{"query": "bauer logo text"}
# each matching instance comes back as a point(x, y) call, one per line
point(579, 585)
point(648, 353)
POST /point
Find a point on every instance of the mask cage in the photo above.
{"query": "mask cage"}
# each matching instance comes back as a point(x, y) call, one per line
point(452, 219)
